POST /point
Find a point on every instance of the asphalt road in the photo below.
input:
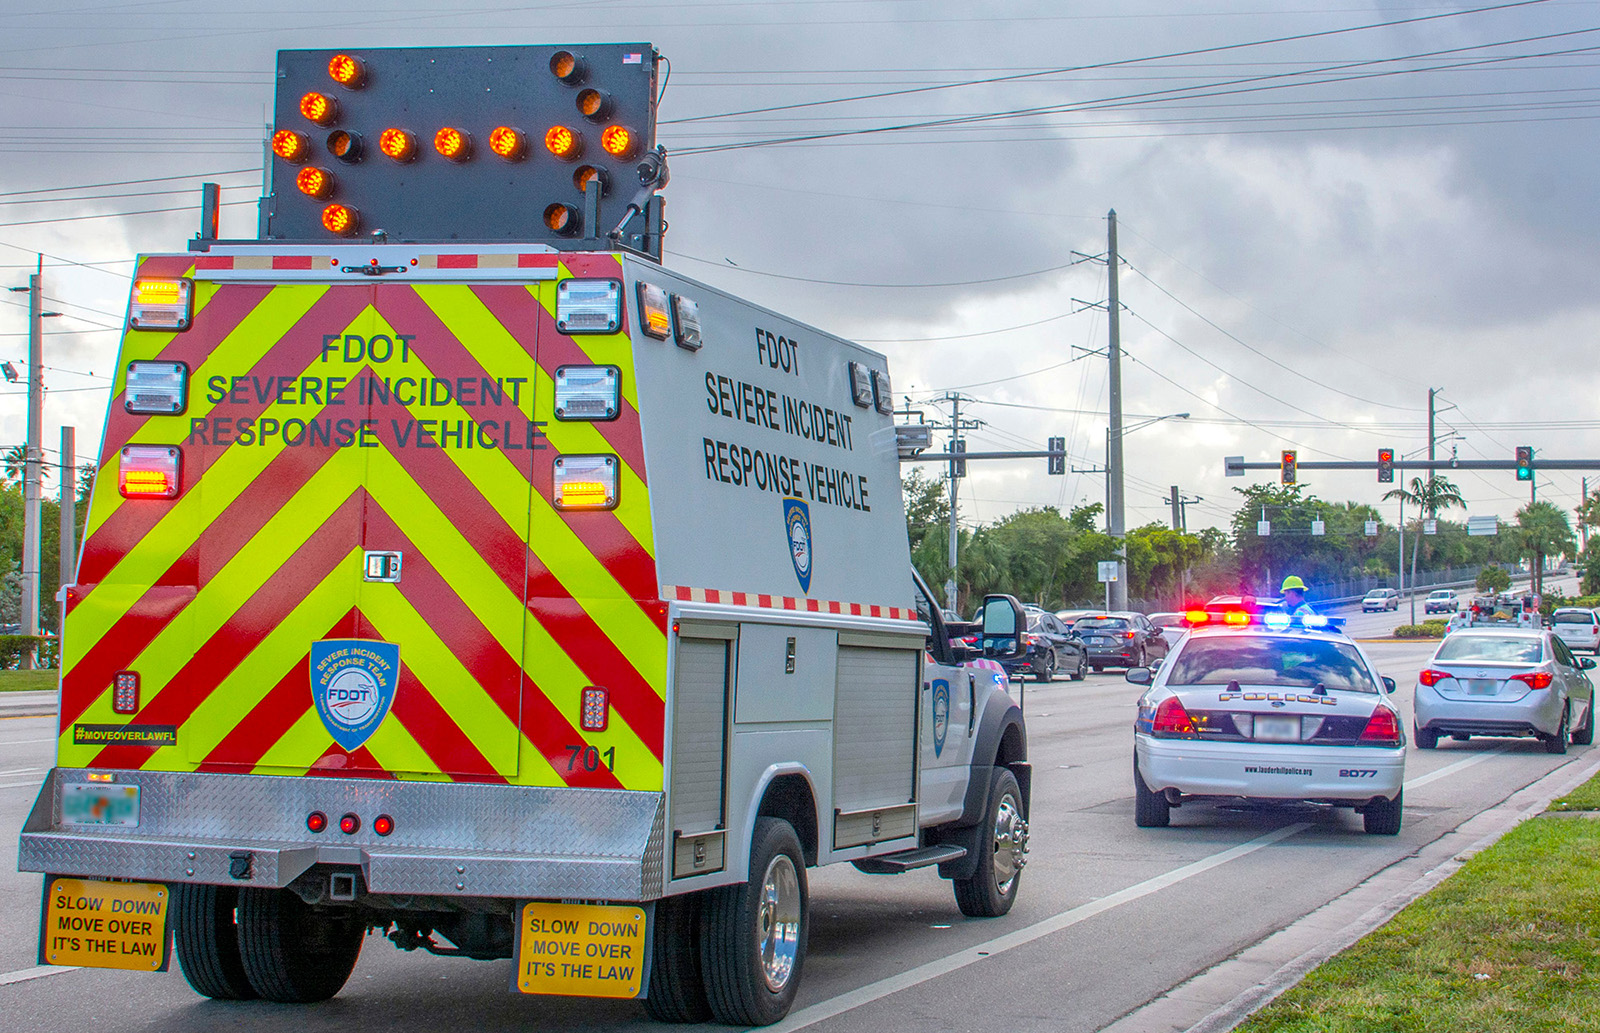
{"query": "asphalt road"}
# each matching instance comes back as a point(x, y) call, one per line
point(1110, 916)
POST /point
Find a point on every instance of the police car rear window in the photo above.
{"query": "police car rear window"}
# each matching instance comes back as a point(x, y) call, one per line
point(1508, 649)
point(1287, 661)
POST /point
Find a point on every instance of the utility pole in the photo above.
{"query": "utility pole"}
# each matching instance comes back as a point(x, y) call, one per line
point(1177, 515)
point(957, 444)
point(68, 477)
point(1583, 505)
point(33, 468)
point(1115, 520)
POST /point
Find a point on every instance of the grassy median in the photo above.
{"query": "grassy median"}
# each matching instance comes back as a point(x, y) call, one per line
point(29, 681)
point(1511, 942)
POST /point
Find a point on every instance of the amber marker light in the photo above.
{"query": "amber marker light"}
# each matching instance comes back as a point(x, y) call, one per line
point(594, 105)
point(568, 67)
point(319, 108)
point(314, 182)
point(340, 219)
point(349, 72)
point(453, 143)
point(397, 144)
point(561, 219)
point(564, 143)
point(291, 146)
point(508, 143)
point(618, 141)
point(584, 174)
point(345, 145)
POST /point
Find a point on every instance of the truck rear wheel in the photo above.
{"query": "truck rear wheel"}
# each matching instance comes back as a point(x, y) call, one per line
point(207, 941)
point(295, 953)
point(677, 983)
point(753, 935)
point(1002, 851)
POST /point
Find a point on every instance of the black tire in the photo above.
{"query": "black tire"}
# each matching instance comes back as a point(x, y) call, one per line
point(207, 941)
point(1082, 670)
point(677, 983)
point(1048, 672)
point(1426, 738)
point(1150, 809)
point(1382, 817)
point(1557, 743)
point(295, 953)
point(1585, 736)
point(733, 921)
point(992, 889)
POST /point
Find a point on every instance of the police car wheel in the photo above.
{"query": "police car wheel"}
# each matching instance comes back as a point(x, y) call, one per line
point(677, 984)
point(1150, 809)
point(295, 953)
point(207, 941)
point(753, 935)
point(1557, 743)
point(1381, 817)
point(1082, 670)
point(1002, 843)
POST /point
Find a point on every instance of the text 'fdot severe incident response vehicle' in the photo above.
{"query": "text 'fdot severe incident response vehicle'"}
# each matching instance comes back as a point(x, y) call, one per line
point(456, 571)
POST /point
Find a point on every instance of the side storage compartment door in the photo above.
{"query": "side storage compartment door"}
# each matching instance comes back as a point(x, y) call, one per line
point(697, 790)
point(875, 740)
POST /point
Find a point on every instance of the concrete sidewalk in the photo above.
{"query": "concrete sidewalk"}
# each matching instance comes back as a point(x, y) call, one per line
point(27, 704)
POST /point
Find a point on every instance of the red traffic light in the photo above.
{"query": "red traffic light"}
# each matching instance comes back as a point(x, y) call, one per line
point(1286, 467)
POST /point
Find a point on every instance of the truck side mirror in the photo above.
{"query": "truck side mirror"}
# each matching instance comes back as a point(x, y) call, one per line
point(1003, 625)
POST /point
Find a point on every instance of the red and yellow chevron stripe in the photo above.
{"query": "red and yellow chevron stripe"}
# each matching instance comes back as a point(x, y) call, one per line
point(299, 456)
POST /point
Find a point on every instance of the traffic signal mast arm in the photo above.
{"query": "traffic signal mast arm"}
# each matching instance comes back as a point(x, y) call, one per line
point(1237, 469)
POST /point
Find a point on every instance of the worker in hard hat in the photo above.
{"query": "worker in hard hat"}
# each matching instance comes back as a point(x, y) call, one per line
point(1294, 597)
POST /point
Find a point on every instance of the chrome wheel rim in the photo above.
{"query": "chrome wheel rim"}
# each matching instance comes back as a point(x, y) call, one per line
point(1010, 843)
point(778, 922)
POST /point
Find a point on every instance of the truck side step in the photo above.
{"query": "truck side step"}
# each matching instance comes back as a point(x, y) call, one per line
point(906, 860)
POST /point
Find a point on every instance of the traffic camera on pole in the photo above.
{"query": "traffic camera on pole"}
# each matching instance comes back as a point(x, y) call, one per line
point(1385, 466)
point(1524, 462)
point(1286, 469)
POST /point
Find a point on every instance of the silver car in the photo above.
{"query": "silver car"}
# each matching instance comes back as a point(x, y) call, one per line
point(1488, 681)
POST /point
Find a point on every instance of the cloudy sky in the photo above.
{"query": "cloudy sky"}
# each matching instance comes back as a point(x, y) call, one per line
point(1326, 207)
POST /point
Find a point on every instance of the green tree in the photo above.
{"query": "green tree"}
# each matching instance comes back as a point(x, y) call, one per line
point(15, 460)
point(1543, 530)
point(1434, 495)
point(1493, 579)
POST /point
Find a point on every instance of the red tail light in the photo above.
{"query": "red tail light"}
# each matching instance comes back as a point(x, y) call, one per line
point(1534, 680)
point(1383, 728)
point(149, 472)
point(1129, 634)
point(1431, 677)
point(316, 821)
point(383, 824)
point(1171, 718)
point(349, 824)
point(596, 713)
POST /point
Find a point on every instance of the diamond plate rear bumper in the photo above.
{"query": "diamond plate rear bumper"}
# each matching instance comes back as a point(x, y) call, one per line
point(450, 839)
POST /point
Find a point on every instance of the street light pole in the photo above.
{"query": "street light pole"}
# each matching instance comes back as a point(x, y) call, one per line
point(33, 468)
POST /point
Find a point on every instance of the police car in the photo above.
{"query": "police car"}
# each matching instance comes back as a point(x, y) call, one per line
point(1267, 708)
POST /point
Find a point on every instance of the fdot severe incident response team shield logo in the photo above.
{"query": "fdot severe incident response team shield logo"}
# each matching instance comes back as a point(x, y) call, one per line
point(797, 521)
point(352, 684)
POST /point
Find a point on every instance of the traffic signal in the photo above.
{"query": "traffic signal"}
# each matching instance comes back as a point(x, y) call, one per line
point(1524, 462)
point(1058, 456)
point(1385, 466)
point(1286, 470)
point(958, 467)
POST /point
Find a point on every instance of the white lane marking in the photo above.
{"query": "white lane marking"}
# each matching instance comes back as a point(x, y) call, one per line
point(39, 972)
point(823, 1010)
point(20, 785)
point(23, 742)
point(1450, 769)
point(20, 771)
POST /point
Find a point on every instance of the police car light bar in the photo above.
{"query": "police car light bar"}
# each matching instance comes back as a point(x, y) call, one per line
point(1273, 620)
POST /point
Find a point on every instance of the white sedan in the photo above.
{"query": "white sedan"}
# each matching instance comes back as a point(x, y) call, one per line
point(1268, 714)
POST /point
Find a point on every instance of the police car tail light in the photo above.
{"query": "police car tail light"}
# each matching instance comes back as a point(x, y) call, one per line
point(1383, 728)
point(156, 388)
point(1431, 677)
point(1534, 679)
point(149, 472)
point(125, 692)
point(1171, 718)
point(586, 482)
point(655, 318)
point(589, 306)
point(161, 304)
point(596, 710)
point(588, 392)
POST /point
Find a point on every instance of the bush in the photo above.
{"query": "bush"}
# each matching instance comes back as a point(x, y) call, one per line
point(1493, 579)
point(12, 647)
point(1427, 629)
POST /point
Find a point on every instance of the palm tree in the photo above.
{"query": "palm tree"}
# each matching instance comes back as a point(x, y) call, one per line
point(1429, 497)
point(15, 460)
point(1545, 531)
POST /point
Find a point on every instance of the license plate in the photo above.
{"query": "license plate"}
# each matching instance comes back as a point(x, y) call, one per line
point(1278, 729)
point(1483, 686)
point(581, 950)
point(104, 924)
point(85, 804)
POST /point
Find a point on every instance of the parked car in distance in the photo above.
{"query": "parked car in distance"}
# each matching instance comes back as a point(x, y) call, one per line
point(1123, 639)
point(1441, 600)
point(1578, 628)
point(1069, 617)
point(1171, 627)
point(1380, 599)
point(1504, 682)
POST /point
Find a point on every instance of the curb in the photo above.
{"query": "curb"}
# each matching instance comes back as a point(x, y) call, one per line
point(1211, 1002)
point(27, 704)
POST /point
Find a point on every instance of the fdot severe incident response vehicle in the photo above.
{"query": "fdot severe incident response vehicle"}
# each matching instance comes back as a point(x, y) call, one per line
point(456, 571)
